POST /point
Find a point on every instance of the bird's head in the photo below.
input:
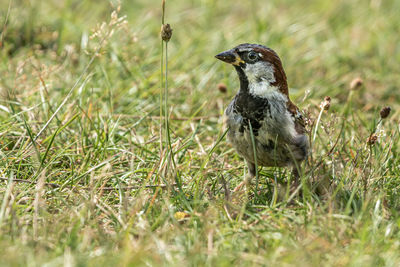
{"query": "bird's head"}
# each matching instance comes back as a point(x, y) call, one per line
point(259, 68)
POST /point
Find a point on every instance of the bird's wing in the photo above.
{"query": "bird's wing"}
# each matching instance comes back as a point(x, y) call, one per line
point(299, 122)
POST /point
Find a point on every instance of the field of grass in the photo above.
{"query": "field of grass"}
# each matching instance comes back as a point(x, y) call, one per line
point(80, 150)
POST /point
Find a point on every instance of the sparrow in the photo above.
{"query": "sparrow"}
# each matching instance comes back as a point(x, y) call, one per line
point(262, 105)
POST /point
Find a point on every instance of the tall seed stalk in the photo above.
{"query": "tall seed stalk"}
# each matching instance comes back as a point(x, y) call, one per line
point(162, 80)
point(166, 33)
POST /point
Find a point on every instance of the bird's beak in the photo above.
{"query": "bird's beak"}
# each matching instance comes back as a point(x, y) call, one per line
point(230, 57)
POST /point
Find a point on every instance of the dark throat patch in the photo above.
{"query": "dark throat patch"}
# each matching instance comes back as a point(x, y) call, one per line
point(253, 109)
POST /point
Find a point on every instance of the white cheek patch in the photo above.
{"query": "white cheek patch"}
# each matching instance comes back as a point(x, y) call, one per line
point(261, 77)
point(260, 71)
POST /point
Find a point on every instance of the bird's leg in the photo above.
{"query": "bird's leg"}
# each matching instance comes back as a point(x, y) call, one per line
point(295, 178)
point(249, 176)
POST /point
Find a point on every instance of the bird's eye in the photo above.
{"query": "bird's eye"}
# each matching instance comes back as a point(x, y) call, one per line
point(252, 56)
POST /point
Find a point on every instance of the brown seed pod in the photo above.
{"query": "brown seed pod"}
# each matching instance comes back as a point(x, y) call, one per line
point(326, 104)
point(222, 88)
point(166, 32)
point(385, 112)
point(356, 83)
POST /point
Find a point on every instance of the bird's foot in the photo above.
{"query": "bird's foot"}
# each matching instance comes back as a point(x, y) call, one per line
point(238, 198)
point(241, 192)
point(240, 186)
point(244, 185)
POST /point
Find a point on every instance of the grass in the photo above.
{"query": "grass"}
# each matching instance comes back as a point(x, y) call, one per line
point(80, 155)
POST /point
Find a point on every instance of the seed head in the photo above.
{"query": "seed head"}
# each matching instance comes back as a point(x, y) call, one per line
point(166, 32)
point(222, 88)
point(356, 84)
point(326, 104)
point(385, 112)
